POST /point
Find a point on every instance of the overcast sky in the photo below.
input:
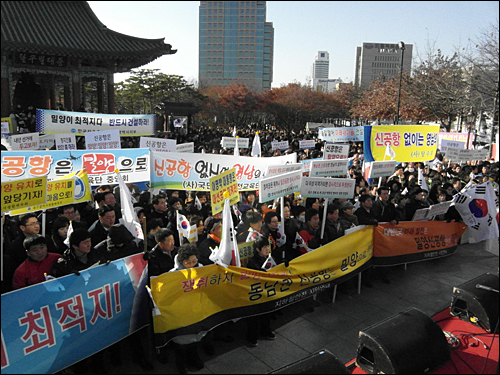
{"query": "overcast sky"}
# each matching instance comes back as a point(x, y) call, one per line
point(301, 29)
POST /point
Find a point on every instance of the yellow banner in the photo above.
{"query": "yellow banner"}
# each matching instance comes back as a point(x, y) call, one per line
point(246, 252)
point(209, 290)
point(23, 193)
point(402, 143)
point(225, 181)
point(69, 189)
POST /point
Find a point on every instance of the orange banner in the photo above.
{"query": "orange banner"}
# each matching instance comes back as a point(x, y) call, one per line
point(411, 241)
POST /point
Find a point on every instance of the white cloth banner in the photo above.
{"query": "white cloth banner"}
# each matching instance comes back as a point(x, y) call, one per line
point(324, 187)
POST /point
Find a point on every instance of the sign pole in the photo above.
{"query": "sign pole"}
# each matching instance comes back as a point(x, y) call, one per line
point(324, 218)
point(43, 223)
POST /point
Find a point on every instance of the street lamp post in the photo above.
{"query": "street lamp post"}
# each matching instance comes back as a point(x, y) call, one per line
point(402, 48)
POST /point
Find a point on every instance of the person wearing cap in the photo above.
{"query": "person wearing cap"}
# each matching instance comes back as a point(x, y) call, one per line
point(347, 214)
point(364, 212)
point(119, 244)
point(213, 229)
point(78, 257)
point(40, 261)
point(416, 200)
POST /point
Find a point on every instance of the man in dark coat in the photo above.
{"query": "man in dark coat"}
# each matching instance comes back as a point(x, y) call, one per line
point(99, 230)
point(383, 209)
point(161, 258)
point(364, 212)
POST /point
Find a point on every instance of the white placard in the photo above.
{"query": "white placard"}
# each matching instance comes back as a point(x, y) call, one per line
point(421, 215)
point(5, 127)
point(283, 145)
point(325, 187)
point(158, 144)
point(445, 143)
point(46, 142)
point(279, 186)
point(459, 155)
point(25, 141)
point(439, 209)
point(102, 140)
point(65, 141)
point(327, 168)
point(309, 143)
point(230, 142)
point(185, 147)
point(274, 170)
point(382, 168)
point(334, 151)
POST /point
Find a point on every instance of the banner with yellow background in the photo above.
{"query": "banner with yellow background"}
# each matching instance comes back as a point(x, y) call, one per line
point(214, 294)
point(401, 143)
point(23, 193)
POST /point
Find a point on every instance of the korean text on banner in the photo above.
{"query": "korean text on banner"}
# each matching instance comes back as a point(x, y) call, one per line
point(339, 135)
point(78, 123)
point(6, 125)
point(324, 187)
point(274, 170)
point(381, 169)
point(158, 144)
point(221, 183)
point(334, 152)
point(23, 193)
point(103, 140)
point(279, 186)
point(49, 326)
point(25, 141)
point(214, 294)
point(327, 168)
point(401, 143)
point(65, 141)
point(193, 171)
point(132, 163)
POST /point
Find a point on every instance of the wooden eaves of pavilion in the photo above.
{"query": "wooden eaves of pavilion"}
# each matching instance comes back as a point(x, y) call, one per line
point(62, 44)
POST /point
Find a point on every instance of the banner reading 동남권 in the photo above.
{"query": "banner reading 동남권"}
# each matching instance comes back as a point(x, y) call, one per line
point(79, 123)
point(186, 171)
point(133, 164)
point(214, 294)
point(402, 143)
point(411, 241)
point(49, 326)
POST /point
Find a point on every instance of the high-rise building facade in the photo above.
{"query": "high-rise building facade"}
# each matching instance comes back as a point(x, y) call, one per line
point(320, 71)
point(378, 61)
point(236, 44)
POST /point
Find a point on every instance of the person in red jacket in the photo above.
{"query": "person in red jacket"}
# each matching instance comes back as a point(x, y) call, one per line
point(311, 230)
point(32, 270)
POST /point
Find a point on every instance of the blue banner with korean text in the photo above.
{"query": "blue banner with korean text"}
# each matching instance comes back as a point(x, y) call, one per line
point(79, 123)
point(49, 326)
point(133, 164)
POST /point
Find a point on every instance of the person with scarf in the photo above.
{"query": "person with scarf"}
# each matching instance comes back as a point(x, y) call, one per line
point(347, 214)
point(213, 230)
point(270, 229)
point(311, 230)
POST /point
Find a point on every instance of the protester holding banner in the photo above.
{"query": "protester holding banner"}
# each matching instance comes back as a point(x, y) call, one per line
point(383, 209)
point(213, 229)
point(311, 230)
point(334, 228)
point(39, 263)
point(416, 200)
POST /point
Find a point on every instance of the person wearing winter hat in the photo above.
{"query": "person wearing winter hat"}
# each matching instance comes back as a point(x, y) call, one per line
point(347, 214)
point(119, 244)
point(415, 201)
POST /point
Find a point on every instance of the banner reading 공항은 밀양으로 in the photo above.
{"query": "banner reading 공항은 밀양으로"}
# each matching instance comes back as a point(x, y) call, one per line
point(401, 143)
point(79, 123)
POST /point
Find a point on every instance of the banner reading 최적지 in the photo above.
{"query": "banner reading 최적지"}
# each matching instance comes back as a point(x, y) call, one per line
point(401, 143)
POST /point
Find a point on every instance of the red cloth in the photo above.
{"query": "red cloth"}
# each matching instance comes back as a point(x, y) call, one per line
point(30, 272)
point(465, 359)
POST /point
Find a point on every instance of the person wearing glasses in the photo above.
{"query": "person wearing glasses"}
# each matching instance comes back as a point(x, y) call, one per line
point(29, 226)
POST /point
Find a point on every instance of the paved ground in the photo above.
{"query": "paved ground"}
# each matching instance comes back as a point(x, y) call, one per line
point(335, 326)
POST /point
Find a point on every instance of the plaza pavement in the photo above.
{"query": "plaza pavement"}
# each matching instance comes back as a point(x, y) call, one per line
point(335, 326)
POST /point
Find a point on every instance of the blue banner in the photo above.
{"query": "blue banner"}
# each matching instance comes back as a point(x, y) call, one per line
point(133, 164)
point(49, 326)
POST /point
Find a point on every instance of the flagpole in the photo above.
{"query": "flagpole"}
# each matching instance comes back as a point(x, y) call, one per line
point(324, 218)
point(43, 223)
point(282, 212)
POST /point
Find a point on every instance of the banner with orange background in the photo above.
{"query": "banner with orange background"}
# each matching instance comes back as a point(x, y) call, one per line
point(411, 241)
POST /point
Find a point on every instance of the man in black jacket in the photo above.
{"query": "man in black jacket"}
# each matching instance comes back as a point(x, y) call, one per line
point(99, 230)
point(383, 209)
point(364, 213)
point(161, 258)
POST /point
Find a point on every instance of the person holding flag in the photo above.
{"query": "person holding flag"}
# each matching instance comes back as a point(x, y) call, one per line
point(261, 261)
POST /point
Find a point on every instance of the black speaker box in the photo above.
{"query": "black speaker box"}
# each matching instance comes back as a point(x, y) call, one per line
point(323, 362)
point(407, 343)
point(476, 305)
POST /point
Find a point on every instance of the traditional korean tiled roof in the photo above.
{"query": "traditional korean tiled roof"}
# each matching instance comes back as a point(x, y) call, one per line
point(70, 28)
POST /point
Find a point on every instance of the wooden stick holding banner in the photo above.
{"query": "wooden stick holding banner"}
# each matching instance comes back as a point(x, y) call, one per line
point(324, 218)
point(44, 220)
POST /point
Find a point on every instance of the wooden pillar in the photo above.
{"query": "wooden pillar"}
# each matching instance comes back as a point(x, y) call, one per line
point(111, 93)
point(68, 106)
point(100, 95)
point(76, 90)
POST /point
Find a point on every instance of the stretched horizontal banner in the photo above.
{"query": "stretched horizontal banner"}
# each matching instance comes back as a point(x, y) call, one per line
point(340, 135)
point(325, 187)
point(401, 143)
point(49, 326)
point(133, 164)
point(193, 171)
point(214, 294)
point(410, 242)
point(78, 123)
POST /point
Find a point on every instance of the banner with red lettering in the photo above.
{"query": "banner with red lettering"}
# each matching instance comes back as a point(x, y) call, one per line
point(49, 326)
point(411, 241)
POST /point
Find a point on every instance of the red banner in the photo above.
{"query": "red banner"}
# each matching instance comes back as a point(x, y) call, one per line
point(412, 241)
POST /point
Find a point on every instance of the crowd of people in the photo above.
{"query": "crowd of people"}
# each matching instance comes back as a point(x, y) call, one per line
point(98, 236)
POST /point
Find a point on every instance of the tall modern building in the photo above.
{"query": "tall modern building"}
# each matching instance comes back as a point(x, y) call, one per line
point(376, 61)
point(236, 44)
point(320, 71)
